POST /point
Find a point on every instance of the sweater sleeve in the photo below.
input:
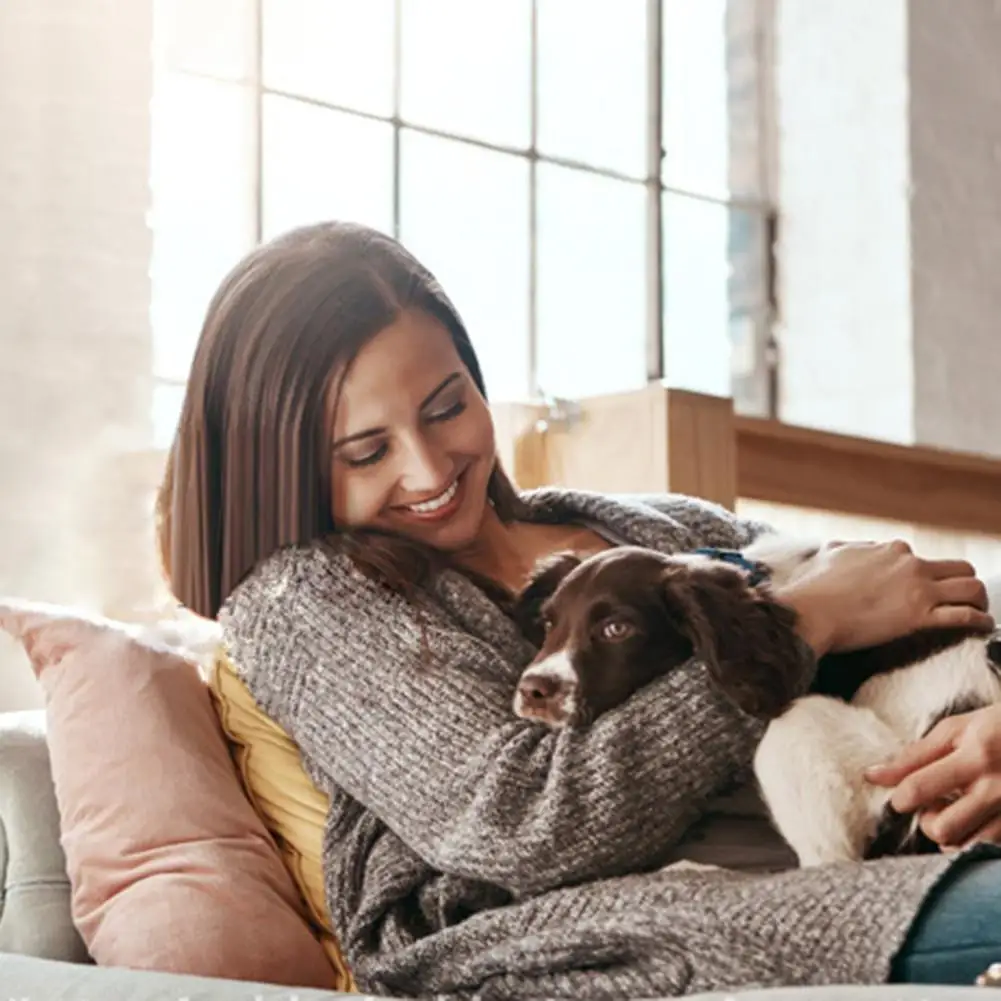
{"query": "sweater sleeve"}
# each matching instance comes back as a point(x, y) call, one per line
point(436, 753)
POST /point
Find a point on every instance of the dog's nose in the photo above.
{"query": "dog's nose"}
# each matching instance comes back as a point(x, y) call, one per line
point(538, 689)
point(546, 697)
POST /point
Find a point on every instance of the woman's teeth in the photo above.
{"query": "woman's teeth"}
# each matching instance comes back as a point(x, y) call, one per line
point(427, 507)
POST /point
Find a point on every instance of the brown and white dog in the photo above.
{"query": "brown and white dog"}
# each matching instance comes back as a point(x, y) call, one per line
point(608, 625)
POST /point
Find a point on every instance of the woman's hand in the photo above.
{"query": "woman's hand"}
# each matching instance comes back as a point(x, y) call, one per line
point(953, 777)
point(861, 594)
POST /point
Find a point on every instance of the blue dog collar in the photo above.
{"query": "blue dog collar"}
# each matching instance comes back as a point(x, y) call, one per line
point(757, 572)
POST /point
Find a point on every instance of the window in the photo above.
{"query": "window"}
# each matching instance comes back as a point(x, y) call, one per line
point(584, 176)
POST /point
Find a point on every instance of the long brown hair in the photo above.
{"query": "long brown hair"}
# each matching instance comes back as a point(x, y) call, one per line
point(249, 471)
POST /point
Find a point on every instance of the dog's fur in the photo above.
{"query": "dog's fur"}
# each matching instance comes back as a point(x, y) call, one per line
point(608, 625)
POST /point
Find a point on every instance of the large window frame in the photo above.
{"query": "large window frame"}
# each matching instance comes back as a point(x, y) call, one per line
point(754, 378)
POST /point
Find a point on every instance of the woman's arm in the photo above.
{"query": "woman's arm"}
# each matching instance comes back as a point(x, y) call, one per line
point(436, 752)
point(858, 594)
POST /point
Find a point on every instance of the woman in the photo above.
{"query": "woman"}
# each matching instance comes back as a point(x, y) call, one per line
point(334, 496)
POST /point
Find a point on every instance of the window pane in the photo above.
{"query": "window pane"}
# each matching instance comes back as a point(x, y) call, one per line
point(213, 37)
point(321, 164)
point(591, 282)
point(203, 206)
point(592, 82)
point(695, 95)
point(714, 293)
point(339, 51)
point(467, 68)
point(464, 214)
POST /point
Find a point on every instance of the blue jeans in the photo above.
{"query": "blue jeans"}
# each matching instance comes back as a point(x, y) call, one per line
point(957, 933)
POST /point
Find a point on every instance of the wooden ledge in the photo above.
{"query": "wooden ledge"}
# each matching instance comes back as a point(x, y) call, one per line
point(783, 464)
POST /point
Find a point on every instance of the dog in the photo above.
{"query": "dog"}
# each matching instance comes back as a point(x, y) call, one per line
point(608, 625)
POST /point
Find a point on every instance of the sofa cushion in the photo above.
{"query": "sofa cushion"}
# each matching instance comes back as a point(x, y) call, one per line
point(170, 868)
point(35, 901)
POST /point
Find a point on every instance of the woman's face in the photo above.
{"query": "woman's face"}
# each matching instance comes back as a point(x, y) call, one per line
point(413, 442)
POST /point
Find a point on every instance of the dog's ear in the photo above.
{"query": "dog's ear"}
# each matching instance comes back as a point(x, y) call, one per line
point(545, 578)
point(746, 640)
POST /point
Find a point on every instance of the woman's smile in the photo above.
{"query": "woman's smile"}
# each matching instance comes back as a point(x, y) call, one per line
point(439, 507)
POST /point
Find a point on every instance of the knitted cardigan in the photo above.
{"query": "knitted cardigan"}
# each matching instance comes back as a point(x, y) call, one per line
point(472, 854)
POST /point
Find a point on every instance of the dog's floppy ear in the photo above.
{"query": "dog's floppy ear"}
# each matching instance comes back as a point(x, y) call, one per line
point(746, 640)
point(546, 576)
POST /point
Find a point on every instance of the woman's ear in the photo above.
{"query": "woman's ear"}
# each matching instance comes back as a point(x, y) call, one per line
point(746, 641)
point(542, 583)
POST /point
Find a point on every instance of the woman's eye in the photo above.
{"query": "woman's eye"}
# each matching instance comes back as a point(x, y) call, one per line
point(616, 630)
point(448, 413)
point(356, 462)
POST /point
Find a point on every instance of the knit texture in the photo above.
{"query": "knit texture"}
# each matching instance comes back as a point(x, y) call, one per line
point(469, 853)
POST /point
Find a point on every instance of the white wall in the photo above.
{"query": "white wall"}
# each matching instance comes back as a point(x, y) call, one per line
point(889, 184)
point(842, 127)
point(75, 86)
point(955, 152)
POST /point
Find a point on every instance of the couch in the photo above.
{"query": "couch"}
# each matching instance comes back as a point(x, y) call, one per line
point(42, 958)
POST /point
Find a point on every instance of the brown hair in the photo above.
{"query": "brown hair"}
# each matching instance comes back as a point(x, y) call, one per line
point(249, 471)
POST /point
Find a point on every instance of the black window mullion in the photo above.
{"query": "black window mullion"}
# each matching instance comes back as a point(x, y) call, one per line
point(654, 228)
point(534, 390)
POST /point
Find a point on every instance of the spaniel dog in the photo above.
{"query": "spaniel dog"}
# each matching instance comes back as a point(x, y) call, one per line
point(607, 625)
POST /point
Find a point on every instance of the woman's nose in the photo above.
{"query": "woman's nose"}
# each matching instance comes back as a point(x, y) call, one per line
point(426, 467)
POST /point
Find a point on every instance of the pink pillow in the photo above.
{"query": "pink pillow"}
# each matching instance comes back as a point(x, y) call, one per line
point(170, 867)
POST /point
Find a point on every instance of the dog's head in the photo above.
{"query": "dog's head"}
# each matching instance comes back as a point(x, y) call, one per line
point(608, 625)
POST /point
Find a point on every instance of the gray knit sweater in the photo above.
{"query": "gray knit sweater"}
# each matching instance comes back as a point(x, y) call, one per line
point(469, 853)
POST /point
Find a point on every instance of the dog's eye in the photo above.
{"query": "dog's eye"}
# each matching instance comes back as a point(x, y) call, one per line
point(547, 623)
point(616, 629)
